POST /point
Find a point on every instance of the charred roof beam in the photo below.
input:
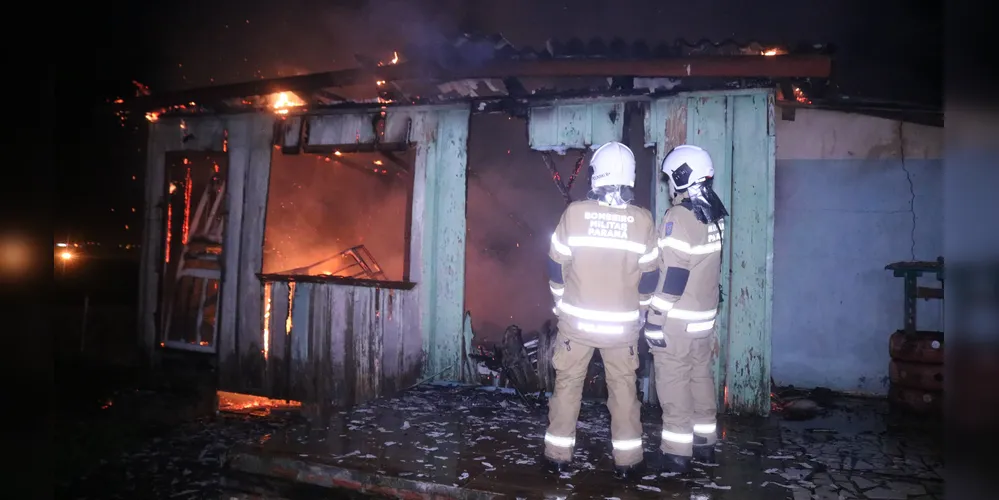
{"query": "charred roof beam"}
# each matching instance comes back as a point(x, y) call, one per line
point(782, 66)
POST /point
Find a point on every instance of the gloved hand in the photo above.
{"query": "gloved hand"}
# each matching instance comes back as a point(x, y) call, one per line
point(656, 342)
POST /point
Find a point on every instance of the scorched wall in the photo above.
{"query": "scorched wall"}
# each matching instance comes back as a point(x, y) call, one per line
point(845, 208)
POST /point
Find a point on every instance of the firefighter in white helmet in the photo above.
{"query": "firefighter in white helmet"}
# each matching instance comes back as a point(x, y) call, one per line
point(602, 271)
point(681, 319)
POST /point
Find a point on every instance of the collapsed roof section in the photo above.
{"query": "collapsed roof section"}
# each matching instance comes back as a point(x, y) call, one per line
point(491, 69)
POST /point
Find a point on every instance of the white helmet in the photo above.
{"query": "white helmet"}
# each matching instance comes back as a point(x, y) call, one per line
point(613, 165)
point(687, 165)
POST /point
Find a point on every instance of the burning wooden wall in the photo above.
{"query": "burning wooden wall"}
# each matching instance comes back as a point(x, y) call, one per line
point(341, 343)
point(337, 344)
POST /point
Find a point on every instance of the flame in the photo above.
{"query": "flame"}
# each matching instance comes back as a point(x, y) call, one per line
point(800, 96)
point(726, 396)
point(152, 116)
point(291, 303)
point(395, 57)
point(283, 101)
point(187, 203)
point(267, 319)
point(169, 226)
point(66, 255)
point(773, 52)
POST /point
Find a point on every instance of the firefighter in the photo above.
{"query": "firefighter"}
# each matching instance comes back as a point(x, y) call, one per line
point(602, 270)
point(681, 318)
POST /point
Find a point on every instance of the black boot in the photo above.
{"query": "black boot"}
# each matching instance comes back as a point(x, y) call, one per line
point(630, 472)
point(704, 454)
point(554, 466)
point(675, 464)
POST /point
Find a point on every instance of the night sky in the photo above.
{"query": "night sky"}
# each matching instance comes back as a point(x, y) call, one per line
point(889, 49)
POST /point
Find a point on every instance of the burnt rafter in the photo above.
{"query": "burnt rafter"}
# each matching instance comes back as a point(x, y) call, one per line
point(725, 66)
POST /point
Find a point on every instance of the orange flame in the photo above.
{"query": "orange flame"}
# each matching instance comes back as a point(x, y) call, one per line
point(283, 101)
point(267, 320)
point(291, 303)
point(187, 203)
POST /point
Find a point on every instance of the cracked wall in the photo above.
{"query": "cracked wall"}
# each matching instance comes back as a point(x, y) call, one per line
point(853, 194)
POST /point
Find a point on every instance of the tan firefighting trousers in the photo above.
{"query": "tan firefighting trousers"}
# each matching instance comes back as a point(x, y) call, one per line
point(571, 361)
point(686, 390)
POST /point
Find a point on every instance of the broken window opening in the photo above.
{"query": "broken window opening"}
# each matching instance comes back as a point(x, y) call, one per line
point(194, 226)
point(339, 217)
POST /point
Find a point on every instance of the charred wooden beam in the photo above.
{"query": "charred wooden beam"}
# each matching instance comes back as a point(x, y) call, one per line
point(784, 66)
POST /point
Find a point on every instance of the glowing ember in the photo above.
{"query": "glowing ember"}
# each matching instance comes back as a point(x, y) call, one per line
point(152, 116)
point(291, 303)
point(233, 401)
point(267, 319)
point(188, 185)
point(800, 96)
point(283, 101)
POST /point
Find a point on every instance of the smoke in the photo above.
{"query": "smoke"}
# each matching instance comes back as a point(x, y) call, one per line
point(513, 208)
point(319, 206)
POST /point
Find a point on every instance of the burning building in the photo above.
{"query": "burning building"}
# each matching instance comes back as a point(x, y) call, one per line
point(312, 232)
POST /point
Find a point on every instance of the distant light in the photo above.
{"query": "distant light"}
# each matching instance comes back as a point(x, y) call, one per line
point(66, 255)
point(63, 245)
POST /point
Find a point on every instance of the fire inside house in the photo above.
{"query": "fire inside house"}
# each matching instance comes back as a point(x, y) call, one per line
point(342, 196)
point(338, 238)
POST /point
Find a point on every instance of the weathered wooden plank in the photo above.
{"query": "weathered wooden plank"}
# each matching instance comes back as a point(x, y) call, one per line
point(249, 331)
point(318, 400)
point(365, 342)
point(291, 140)
point(708, 126)
point(402, 346)
point(161, 135)
point(277, 345)
point(342, 128)
point(670, 132)
point(203, 133)
point(301, 325)
point(238, 148)
point(342, 370)
point(607, 122)
point(749, 231)
point(575, 125)
point(443, 239)
point(398, 126)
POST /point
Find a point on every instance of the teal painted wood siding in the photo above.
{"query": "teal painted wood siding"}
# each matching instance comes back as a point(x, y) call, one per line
point(575, 125)
point(439, 196)
point(737, 129)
